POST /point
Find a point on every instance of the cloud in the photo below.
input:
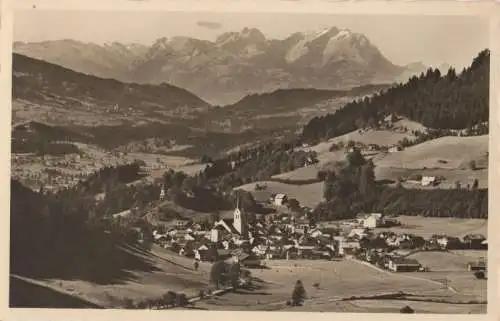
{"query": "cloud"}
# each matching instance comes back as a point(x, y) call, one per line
point(209, 25)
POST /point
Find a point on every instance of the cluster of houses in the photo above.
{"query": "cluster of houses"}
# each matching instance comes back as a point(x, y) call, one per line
point(252, 240)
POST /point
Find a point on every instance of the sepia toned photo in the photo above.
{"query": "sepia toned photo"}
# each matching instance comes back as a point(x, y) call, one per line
point(250, 161)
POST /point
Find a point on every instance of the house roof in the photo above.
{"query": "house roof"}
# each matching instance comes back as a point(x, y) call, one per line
point(478, 263)
point(280, 196)
point(229, 223)
point(405, 261)
point(223, 252)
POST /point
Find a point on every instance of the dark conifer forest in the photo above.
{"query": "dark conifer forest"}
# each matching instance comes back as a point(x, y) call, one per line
point(450, 101)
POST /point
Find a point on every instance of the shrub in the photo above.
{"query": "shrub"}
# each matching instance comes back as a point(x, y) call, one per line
point(299, 294)
point(128, 303)
point(407, 309)
point(169, 298)
point(181, 300)
point(480, 275)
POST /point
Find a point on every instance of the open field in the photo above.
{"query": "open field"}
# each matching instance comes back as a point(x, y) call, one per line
point(444, 152)
point(444, 261)
point(428, 226)
point(464, 176)
point(308, 195)
point(337, 280)
point(371, 136)
point(165, 275)
point(393, 306)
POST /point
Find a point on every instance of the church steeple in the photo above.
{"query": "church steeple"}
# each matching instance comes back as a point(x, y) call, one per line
point(239, 219)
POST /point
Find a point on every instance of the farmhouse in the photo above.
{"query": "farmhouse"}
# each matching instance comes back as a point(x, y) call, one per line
point(479, 265)
point(429, 180)
point(372, 220)
point(280, 199)
point(474, 241)
point(399, 264)
point(449, 242)
point(122, 213)
point(394, 149)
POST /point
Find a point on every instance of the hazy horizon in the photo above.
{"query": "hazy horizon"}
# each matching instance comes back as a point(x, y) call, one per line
point(432, 40)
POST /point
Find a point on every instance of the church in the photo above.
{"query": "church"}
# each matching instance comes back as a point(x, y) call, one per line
point(237, 227)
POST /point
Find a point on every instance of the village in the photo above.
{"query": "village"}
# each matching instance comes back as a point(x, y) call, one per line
point(254, 240)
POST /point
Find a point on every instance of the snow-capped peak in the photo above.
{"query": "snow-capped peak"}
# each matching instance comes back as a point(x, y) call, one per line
point(247, 34)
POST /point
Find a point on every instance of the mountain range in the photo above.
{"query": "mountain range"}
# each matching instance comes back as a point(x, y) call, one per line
point(235, 64)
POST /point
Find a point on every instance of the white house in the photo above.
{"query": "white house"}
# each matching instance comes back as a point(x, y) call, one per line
point(358, 232)
point(399, 264)
point(280, 199)
point(373, 220)
point(429, 180)
point(394, 149)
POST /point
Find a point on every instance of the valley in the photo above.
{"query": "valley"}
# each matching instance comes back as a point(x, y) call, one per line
point(146, 187)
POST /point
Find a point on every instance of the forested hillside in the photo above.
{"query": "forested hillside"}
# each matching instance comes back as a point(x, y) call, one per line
point(353, 189)
point(451, 101)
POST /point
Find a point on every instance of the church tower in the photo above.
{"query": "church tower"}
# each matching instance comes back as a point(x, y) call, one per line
point(240, 220)
point(162, 193)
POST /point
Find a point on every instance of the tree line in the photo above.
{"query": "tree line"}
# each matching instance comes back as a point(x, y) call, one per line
point(353, 189)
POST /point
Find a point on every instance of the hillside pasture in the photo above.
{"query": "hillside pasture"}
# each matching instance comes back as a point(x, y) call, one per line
point(451, 176)
point(428, 226)
point(308, 195)
point(166, 275)
point(449, 152)
point(373, 136)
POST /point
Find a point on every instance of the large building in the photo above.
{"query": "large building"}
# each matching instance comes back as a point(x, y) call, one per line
point(237, 226)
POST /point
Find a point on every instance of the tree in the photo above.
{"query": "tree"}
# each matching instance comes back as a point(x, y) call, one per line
point(367, 179)
point(473, 165)
point(169, 298)
point(181, 300)
point(217, 273)
point(356, 159)
point(475, 184)
point(480, 275)
point(294, 204)
point(234, 274)
point(299, 294)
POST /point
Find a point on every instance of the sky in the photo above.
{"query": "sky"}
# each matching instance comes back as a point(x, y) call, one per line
point(402, 39)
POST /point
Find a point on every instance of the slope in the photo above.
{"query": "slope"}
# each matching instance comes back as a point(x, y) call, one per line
point(446, 152)
point(56, 94)
point(441, 102)
point(75, 254)
point(282, 108)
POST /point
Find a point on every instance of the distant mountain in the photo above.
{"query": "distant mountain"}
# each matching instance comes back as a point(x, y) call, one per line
point(234, 65)
point(47, 92)
point(111, 60)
